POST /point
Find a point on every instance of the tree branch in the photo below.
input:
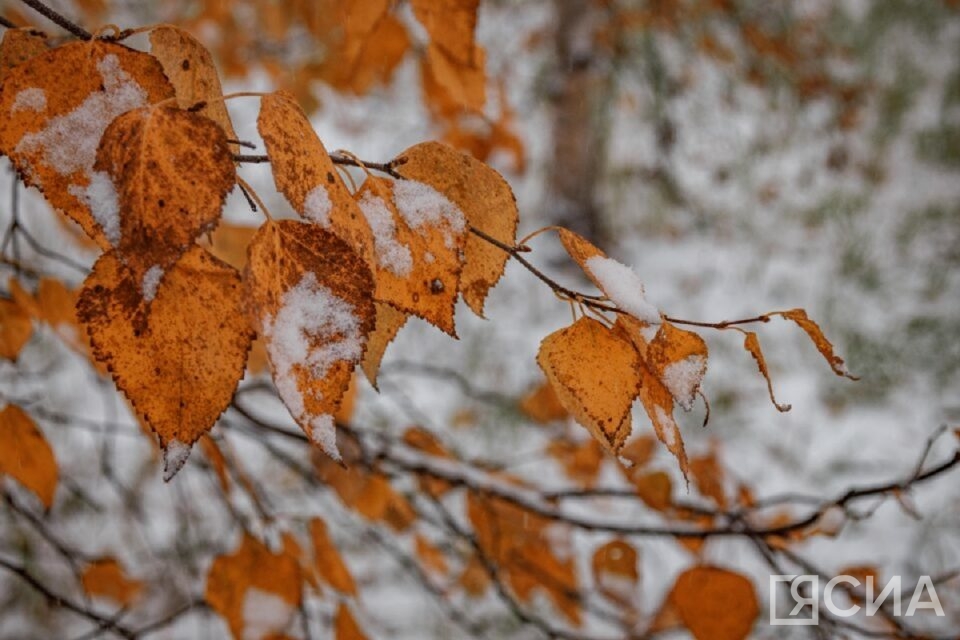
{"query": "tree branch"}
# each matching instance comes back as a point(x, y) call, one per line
point(59, 19)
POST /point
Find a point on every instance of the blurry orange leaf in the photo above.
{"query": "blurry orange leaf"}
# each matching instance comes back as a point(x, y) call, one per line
point(451, 87)
point(190, 68)
point(105, 577)
point(328, 562)
point(450, 24)
point(655, 489)
point(345, 627)
point(389, 322)
point(375, 59)
point(165, 174)
point(55, 305)
point(708, 476)
point(542, 404)
point(53, 110)
point(638, 451)
point(18, 46)
point(474, 578)
point(616, 571)
point(422, 440)
point(15, 328)
point(752, 344)
point(823, 345)
point(178, 360)
point(431, 557)
point(26, 456)
point(715, 604)
point(348, 403)
point(251, 586)
point(311, 298)
point(595, 374)
point(581, 461)
point(211, 450)
point(486, 201)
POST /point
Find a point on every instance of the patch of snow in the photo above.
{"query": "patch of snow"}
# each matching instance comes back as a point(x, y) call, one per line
point(323, 432)
point(423, 207)
point(622, 285)
point(317, 206)
point(151, 281)
point(101, 198)
point(174, 457)
point(32, 99)
point(682, 379)
point(391, 254)
point(264, 614)
point(668, 428)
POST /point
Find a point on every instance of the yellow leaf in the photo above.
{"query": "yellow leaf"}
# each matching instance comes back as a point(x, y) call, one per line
point(799, 316)
point(26, 456)
point(374, 61)
point(615, 570)
point(190, 68)
point(451, 87)
point(487, 203)
point(178, 360)
point(595, 374)
point(580, 461)
point(105, 577)
point(229, 242)
point(55, 107)
point(542, 404)
point(752, 344)
point(312, 301)
point(679, 359)
point(451, 25)
point(15, 328)
point(389, 322)
point(655, 489)
point(715, 604)
point(708, 476)
point(328, 562)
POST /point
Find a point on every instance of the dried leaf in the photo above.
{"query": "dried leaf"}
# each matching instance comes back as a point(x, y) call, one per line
point(328, 562)
point(26, 456)
point(18, 46)
point(823, 345)
point(451, 25)
point(389, 322)
point(431, 557)
point(345, 627)
point(348, 403)
point(715, 604)
point(56, 106)
point(752, 344)
point(679, 359)
point(655, 489)
point(311, 300)
point(581, 461)
point(595, 374)
point(229, 242)
point(249, 579)
point(169, 173)
point(191, 70)
point(542, 404)
point(487, 203)
point(615, 570)
point(55, 305)
point(422, 440)
point(638, 452)
point(450, 87)
point(708, 476)
point(15, 328)
point(178, 361)
point(105, 577)
point(378, 56)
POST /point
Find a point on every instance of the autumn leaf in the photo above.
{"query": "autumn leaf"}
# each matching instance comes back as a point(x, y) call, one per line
point(178, 361)
point(812, 329)
point(752, 344)
point(542, 405)
point(311, 301)
point(375, 57)
point(190, 68)
point(18, 46)
point(26, 456)
point(388, 324)
point(581, 461)
point(615, 570)
point(345, 627)
point(451, 25)
point(166, 174)
point(55, 108)
point(15, 328)
point(450, 87)
point(595, 373)
point(431, 557)
point(245, 585)
point(714, 603)
point(709, 477)
point(678, 358)
point(655, 489)
point(423, 440)
point(486, 201)
point(106, 577)
point(328, 563)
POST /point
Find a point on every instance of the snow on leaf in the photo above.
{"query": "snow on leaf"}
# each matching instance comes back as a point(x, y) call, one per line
point(679, 359)
point(389, 322)
point(312, 301)
point(391, 254)
point(178, 360)
point(714, 603)
point(486, 201)
point(191, 70)
point(595, 374)
point(26, 456)
point(15, 328)
point(252, 567)
point(31, 99)
point(172, 171)
point(86, 85)
point(812, 329)
point(106, 577)
point(328, 563)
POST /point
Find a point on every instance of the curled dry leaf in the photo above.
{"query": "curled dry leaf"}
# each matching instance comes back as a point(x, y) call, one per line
point(253, 578)
point(311, 300)
point(26, 455)
point(451, 25)
point(15, 328)
point(752, 344)
point(487, 203)
point(715, 604)
point(53, 110)
point(191, 70)
point(389, 322)
point(178, 360)
point(105, 577)
point(812, 329)
point(167, 172)
point(18, 46)
point(595, 373)
point(327, 560)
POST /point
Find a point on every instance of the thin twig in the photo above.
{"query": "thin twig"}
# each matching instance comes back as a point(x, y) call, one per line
point(59, 19)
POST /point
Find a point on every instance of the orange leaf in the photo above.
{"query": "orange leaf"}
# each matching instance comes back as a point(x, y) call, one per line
point(311, 300)
point(679, 359)
point(431, 557)
point(18, 46)
point(190, 68)
point(715, 604)
point(421, 439)
point(375, 59)
point(451, 25)
point(15, 328)
point(389, 322)
point(229, 242)
point(105, 577)
point(752, 344)
point(328, 562)
point(26, 456)
point(823, 345)
point(178, 361)
point(709, 478)
point(451, 87)
point(638, 451)
point(53, 110)
point(542, 405)
point(487, 203)
point(474, 578)
point(595, 374)
point(655, 489)
point(615, 570)
point(165, 174)
point(345, 627)
point(255, 590)
point(581, 462)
